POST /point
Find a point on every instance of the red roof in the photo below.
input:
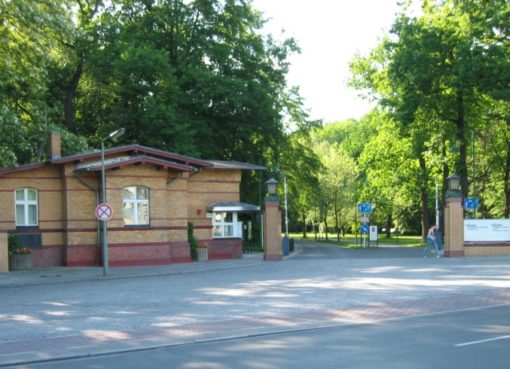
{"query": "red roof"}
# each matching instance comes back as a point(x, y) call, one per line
point(134, 148)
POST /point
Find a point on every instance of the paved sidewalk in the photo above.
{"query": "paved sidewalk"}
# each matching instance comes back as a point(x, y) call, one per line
point(52, 275)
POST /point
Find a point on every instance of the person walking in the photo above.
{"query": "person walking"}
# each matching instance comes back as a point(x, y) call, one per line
point(432, 242)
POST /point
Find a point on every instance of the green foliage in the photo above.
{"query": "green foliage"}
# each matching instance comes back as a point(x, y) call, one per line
point(178, 75)
point(435, 76)
point(14, 244)
point(193, 242)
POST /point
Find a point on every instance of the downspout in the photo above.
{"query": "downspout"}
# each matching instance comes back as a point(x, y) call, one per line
point(96, 191)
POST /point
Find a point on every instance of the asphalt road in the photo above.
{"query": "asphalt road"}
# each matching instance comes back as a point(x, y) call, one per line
point(470, 339)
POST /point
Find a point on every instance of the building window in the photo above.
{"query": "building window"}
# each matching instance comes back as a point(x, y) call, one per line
point(225, 225)
point(136, 205)
point(26, 207)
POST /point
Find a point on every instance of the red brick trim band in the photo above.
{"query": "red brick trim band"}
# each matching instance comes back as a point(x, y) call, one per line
point(487, 244)
point(456, 253)
point(273, 257)
point(113, 229)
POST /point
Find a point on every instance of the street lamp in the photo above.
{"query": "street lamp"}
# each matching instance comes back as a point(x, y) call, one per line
point(113, 136)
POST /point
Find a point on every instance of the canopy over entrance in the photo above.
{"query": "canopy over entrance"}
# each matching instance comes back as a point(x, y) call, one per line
point(232, 206)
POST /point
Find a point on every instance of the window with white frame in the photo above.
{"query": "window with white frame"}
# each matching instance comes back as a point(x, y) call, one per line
point(26, 207)
point(136, 205)
point(225, 225)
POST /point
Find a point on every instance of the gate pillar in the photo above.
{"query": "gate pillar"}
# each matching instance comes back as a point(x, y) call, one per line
point(454, 227)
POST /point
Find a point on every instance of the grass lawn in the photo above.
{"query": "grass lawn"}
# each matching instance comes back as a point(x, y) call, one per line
point(350, 240)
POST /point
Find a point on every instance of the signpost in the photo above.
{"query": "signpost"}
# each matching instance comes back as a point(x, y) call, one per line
point(365, 209)
point(472, 203)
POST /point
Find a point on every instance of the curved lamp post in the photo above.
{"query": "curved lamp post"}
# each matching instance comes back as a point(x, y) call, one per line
point(113, 136)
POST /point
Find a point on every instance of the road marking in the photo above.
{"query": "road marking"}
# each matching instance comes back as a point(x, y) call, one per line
point(482, 341)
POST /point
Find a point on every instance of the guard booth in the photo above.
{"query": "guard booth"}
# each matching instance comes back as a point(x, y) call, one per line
point(244, 221)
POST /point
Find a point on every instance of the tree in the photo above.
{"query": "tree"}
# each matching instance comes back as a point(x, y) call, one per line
point(32, 37)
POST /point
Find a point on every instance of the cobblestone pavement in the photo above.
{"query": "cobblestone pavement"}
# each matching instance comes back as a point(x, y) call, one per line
point(62, 312)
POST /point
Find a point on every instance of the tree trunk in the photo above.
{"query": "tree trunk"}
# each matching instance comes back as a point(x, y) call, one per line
point(389, 221)
point(506, 183)
point(425, 222)
point(337, 223)
point(444, 187)
point(303, 219)
point(461, 137)
point(70, 91)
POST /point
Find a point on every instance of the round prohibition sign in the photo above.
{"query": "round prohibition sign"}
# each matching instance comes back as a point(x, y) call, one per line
point(104, 212)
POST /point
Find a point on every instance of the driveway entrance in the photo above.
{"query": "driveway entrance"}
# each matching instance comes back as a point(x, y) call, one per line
point(320, 250)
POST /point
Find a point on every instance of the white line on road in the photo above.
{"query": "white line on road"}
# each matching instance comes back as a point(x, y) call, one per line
point(482, 341)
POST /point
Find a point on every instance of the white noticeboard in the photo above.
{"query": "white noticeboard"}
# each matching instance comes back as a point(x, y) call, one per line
point(489, 230)
point(373, 233)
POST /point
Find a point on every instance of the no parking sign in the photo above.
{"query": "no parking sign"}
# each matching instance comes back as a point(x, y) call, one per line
point(104, 212)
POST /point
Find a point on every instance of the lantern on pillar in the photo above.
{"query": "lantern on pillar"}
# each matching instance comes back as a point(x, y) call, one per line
point(453, 183)
point(272, 185)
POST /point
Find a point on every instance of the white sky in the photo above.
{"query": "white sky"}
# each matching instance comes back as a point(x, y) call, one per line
point(329, 32)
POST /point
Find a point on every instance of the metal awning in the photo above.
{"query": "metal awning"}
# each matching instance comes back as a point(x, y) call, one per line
point(233, 206)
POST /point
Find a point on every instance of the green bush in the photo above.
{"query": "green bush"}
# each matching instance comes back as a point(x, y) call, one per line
point(13, 243)
point(193, 242)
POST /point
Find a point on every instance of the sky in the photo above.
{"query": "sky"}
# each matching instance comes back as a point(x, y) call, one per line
point(329, 33)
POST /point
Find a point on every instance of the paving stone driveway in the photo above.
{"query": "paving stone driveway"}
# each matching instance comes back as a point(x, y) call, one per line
point(68, 313)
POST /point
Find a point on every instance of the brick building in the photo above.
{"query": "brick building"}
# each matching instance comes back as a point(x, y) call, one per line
point(153, 193)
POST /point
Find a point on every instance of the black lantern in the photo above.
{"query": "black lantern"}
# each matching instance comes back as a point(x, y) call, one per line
point(272, 184)
point(453, 183)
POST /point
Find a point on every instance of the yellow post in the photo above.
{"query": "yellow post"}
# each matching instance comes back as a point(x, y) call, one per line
point(454, 227)
point(273, 231)
point(4, 253)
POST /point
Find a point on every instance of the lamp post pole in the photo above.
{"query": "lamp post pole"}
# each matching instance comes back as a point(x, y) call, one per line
point(286, 208)
point(114, 135)
point(103, 200)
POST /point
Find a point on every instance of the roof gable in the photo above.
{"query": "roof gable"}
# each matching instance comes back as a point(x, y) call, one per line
point(136, 149)
point(120, 162)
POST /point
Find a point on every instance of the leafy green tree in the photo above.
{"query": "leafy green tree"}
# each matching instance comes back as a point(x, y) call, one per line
point(32, 35)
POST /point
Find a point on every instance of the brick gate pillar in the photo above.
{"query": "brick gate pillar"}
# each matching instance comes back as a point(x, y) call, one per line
point(4, 253)
point(453, 227)
point(272, 230)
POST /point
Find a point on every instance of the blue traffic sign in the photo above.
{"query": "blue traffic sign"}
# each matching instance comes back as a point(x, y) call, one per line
point(471, 203)
point(365, 208)
point(364, 228)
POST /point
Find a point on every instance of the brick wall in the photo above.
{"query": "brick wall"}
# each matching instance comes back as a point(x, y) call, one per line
point(68, 225)
point(205, 188)
point(229, 248)
point(494, 249)
point(48, 182)
point(163, 241)
point(4, 253)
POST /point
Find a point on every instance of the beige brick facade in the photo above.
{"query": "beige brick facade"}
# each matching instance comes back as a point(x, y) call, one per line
point(4, 253)
point(487, 250)
point(273, 231)
point(454, 235)
point(69, 194)
point(454, 227)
